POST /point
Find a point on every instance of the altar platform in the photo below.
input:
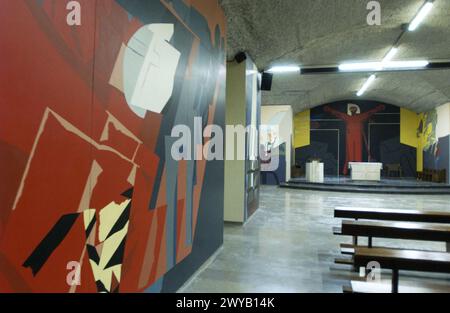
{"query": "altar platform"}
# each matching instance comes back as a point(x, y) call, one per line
point(385, 186)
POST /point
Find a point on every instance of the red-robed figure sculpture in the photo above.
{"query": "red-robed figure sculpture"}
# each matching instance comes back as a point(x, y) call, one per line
point(354, 134)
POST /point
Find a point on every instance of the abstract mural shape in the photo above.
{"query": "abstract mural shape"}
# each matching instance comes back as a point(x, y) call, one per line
point(50, 243)
point(106, 252)
point(90, 152)
point(426, 130)
point(149, 67)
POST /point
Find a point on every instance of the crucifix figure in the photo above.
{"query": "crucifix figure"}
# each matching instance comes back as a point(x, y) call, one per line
point(354, 122)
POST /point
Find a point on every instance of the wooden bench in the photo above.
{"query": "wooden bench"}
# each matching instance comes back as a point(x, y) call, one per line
point(396, 230)
point(393, 215)
point(430, 175)
point(409, 260)
point(403, 224)
point(349, 249)
point(390, 169)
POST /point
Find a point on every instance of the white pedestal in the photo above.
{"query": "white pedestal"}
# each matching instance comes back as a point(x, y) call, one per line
point(314, 172)
point(366, 171)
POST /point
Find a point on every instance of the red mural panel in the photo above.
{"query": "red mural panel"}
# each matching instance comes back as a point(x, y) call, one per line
point(84, 171)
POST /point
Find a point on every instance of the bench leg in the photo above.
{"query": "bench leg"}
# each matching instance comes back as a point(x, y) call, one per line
point(448, 246)
point(355, 238)
point(369, 242)
point(395, 280)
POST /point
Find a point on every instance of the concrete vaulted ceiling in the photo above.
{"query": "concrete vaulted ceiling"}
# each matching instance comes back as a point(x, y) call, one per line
point(329, 32)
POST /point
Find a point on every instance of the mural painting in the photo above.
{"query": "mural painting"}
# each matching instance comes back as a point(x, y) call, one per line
point(433, 137)
point(88, 182)
point(354, 131)
point(426, 134)
point(354, 121)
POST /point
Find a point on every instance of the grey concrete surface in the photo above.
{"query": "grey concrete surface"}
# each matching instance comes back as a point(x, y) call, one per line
point(329, 32)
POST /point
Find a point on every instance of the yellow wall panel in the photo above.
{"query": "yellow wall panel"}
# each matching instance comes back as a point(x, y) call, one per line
point(409, 121)
point(410, 135)
point(302, 126)
point(420, 158)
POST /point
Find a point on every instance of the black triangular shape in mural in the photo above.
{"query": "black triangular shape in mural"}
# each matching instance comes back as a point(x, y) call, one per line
point(93, 254)
point(121, 221)
point(51, 241)
point(117, 257)
point(101, 287)
point(91, 226)
point(128, 194)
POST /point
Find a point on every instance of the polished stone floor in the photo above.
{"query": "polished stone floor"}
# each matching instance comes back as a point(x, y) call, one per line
point(288, 246)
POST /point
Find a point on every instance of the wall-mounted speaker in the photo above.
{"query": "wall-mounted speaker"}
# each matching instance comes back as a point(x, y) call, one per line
point(266, 81)
point(240, 57)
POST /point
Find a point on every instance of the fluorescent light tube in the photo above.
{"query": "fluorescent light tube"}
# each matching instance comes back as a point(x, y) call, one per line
point(284, 69)
point(424, 11)
point(355, 67)
point(391, 54)
point(388, 58)
point(406, 64)
point(366, 85)
point(385, 65)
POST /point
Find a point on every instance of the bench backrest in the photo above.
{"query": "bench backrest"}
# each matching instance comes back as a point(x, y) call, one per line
point(397, 230)
point(393, 215)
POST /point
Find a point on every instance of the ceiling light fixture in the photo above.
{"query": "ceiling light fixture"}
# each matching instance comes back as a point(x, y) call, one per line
point(359, 67)
point(406, 64)
point(284, 69)
point(424, 11)
point(391, 54)
point(383, 66)
point(366, 85)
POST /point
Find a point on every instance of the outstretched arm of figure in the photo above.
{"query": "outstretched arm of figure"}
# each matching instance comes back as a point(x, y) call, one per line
point(368, 114)
point(336, 113)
